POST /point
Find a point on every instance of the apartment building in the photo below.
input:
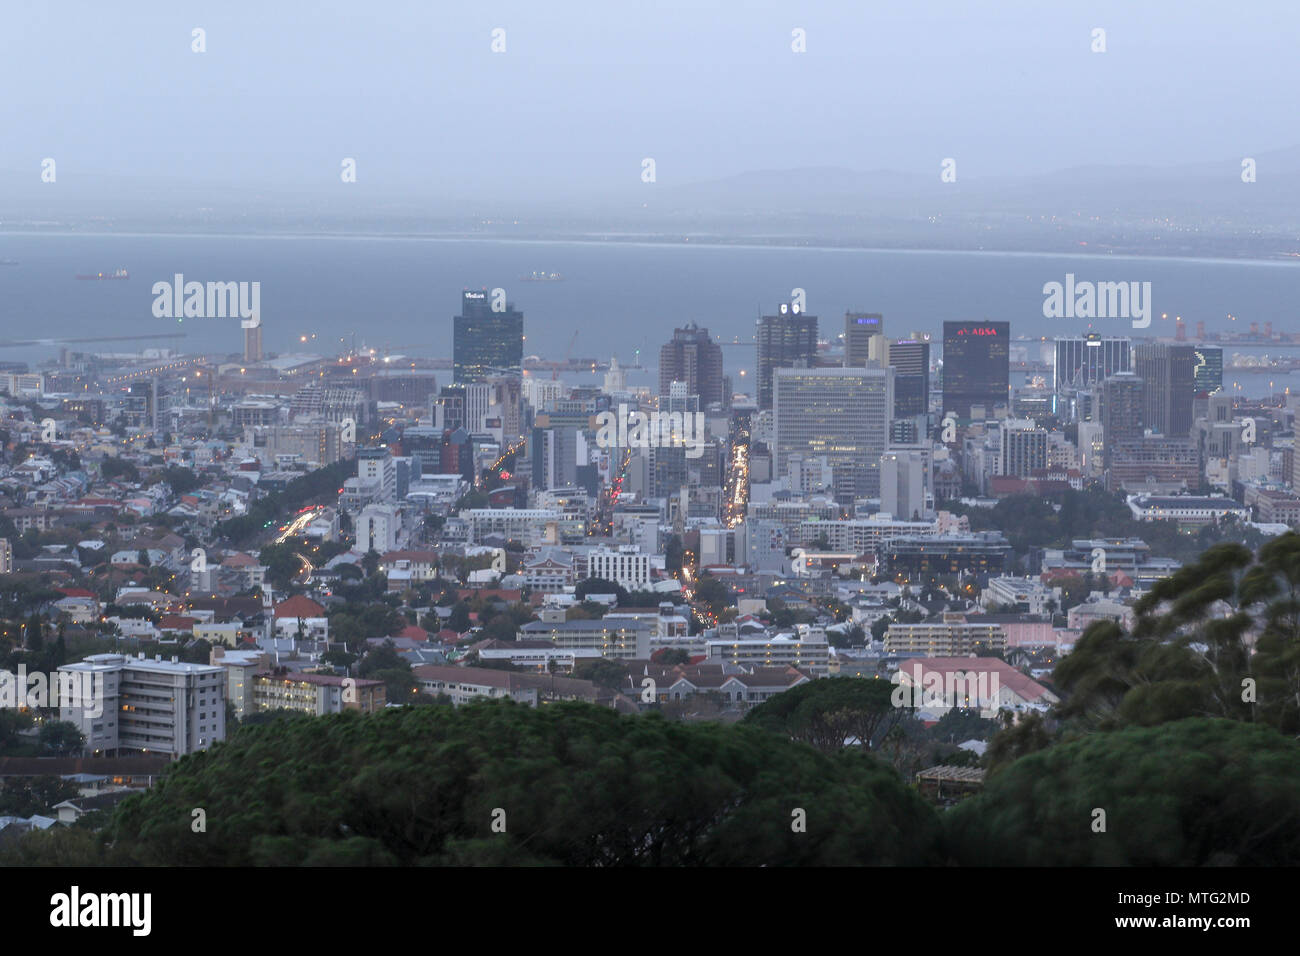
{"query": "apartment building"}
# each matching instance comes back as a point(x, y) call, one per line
point(808, 651)
point(624, 638)
point(954, 636)
point(149, 706)
point(317, 694)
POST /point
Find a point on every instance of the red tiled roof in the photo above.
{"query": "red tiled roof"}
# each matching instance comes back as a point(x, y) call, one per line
point(388, 556)
point(299, 606)
point(1024, 687)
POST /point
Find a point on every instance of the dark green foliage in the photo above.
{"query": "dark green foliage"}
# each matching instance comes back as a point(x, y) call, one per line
point(824, 713)
point(1189, 653)
point(1196, 792)
point(24, 796)
point(670, 656)
point(602, 672)
point(1031, 521)
point(1016, 739)
point(181, 480)
point(282, 563)
point(60, 738)
point(111, 468)
point(579, 785)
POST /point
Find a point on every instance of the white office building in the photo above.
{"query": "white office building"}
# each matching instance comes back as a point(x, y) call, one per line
point(627, 567)
point(377, 528)
point(840, 414)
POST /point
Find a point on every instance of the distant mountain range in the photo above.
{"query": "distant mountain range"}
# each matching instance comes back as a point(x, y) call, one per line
point(1183, 209)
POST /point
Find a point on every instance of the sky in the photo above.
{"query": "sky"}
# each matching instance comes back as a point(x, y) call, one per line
point(586, 90)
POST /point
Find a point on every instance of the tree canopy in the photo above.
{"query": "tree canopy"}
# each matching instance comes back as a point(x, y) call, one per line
point(569, 784)
point(827, 713)
point(1200, 792)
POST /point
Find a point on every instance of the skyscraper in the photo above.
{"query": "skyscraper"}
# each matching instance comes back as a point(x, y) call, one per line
point(902, 484)
point(485, 342)
point(840, 414)
point(1208, 370)
point(1121, 411)
point(253, 343)
point(1169, 374)
point(1024, 448)
point(785, 340)
point(1082, 361)
point(910, 360)
point(692, 357)
point(976, 366)
point(859, 327)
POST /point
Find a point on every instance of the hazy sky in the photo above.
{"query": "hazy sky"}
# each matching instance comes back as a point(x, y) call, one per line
point(585, 90)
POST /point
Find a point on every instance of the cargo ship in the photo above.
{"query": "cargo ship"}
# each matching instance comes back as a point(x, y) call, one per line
point(116, 274)
point(542, 277)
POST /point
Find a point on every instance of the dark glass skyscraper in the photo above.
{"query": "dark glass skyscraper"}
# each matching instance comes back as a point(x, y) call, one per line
point(1121, 411)
point(1170, 377)
point(976, 366)
point(859, 327)
point(692, 357)
point(785, 340)
point(911, 363)
point(486, 343)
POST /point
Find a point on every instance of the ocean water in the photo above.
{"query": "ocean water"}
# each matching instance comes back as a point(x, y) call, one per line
point(620, 298)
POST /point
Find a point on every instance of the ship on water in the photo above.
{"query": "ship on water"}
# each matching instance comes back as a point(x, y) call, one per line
point(115, 274)
point(542, 277)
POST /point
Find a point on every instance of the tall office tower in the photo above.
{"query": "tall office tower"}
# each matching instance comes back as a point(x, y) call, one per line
point(859, 328)
point(253, 343)
point(694, 358)
point(1082, 361)
point(1207, 374)
point(1024, 448)
point(6, 557)
point(841, 414)
point(1169, 374)
point(669, 466)
point(554, 454)
point(976, 367)
point(910, 360)
point(508, 401)
point(478, 404)
point(1122, 405)
point(375, 466)
point(486, 342)
point(902, 484)
point(785, 340)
